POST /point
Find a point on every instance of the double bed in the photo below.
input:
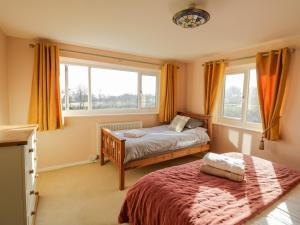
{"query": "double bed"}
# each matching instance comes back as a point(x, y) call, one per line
point(157, 145)
point(183, 195)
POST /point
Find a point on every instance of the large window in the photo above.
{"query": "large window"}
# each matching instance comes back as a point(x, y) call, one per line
point(239, 103)
point(95, 89)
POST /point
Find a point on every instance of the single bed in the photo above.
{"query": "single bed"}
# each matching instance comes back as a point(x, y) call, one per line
point(157, 145)
point(161, 139)
point(182, 195)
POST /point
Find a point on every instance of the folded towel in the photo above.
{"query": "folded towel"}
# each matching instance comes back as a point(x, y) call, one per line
point(134, 133)
point(221, 173)
point(226, 163)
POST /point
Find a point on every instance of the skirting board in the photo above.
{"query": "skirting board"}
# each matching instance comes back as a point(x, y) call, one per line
point(57, 167)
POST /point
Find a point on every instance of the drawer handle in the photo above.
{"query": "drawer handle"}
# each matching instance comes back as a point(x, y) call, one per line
point(31, 171)
point(33, 213)
point(31, 150)
point(33, 193)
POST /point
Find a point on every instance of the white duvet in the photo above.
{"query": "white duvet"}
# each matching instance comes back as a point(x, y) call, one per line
point(161, 139)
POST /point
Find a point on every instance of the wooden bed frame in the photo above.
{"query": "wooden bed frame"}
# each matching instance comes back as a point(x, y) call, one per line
point(113, 148)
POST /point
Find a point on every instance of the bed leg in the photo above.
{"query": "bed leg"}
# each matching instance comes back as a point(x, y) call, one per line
point(121, 178)
point(101, 159)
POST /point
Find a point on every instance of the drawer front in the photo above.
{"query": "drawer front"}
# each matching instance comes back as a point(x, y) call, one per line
point(30, 196)
point(30, 152)
point(30, 180)
point(31, 213)
point(32, 141)
point(30, 171)
point(30, 158)
point(30, 200)
point(29, 220)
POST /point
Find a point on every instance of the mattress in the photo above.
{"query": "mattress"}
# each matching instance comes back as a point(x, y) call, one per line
point(161, 139)
point(182, 195)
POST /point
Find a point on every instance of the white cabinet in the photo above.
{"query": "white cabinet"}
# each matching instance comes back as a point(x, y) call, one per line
point(18, 194)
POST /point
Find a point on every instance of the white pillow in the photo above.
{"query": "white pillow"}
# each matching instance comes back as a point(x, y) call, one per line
point(178, 123)
point(134, 133)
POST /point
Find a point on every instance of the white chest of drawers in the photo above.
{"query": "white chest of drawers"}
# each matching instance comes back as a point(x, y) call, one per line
point(18, 194)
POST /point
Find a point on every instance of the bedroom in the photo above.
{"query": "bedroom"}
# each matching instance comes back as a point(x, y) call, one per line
point(72, 188)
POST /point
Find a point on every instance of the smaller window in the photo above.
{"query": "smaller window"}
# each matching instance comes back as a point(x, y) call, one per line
point(62, 78)
point(239, 105)
point(253, 111)
point(149, 92)
point(233, 96)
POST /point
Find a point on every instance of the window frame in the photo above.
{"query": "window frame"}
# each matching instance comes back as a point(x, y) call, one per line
point(140, 72)
point(235, 122)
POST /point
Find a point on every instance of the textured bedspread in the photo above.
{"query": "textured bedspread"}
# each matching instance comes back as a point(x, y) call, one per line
point(161, 139)
point(182, 195)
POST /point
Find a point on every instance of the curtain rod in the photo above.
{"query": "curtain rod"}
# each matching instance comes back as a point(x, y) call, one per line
point(291, 50)
point(107, 56)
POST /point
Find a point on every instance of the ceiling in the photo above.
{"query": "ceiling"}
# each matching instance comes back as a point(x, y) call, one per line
point(145, 27)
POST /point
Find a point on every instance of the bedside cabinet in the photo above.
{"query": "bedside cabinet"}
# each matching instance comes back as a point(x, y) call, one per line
point(18, 194)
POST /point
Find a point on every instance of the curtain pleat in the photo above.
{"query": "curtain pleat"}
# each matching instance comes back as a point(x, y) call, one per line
point(213, 77)
point(45, 107)
point(167, 109)
point(271, 83)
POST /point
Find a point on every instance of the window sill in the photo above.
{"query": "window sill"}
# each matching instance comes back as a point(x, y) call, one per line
point(97, 114)
point(258, 130)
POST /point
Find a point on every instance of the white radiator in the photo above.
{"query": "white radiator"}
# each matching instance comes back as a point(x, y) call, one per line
point(114, 127)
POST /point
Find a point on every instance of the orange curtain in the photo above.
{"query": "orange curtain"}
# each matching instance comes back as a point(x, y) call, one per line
point(45, 107)
point(168, 77)
point(271, 82)
point(213, 77)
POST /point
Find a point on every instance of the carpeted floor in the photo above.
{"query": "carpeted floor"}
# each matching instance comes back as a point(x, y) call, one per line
point(87, 194)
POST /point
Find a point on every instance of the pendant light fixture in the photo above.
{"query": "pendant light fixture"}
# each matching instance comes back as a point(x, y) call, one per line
point(191, 17)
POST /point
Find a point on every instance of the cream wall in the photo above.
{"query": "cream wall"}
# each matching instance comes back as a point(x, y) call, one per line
point(227, 138)
point(3, 79)
point(77, 141)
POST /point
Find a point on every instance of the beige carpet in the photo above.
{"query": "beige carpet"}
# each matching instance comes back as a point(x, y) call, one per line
point(88, 194)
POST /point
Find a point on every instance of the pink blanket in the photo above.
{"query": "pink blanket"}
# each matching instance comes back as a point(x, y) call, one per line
point(182, 195)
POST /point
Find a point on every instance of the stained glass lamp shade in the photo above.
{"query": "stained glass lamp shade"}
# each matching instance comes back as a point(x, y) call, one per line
point(191, 17)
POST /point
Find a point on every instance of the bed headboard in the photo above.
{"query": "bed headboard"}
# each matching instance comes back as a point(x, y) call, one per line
point(206, 119)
